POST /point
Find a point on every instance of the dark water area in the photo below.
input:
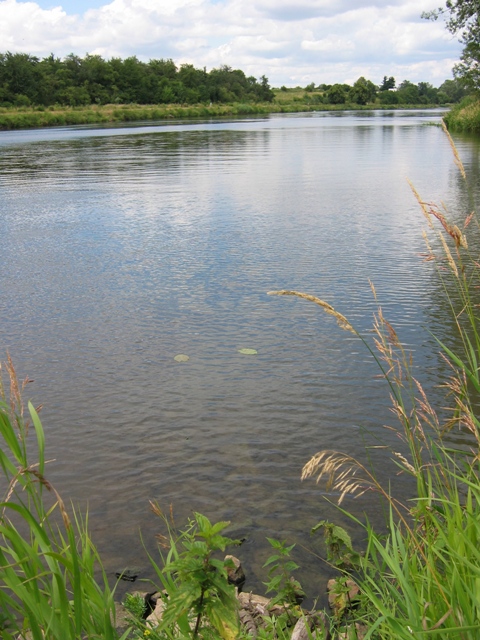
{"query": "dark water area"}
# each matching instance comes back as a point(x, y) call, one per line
point(124, 247)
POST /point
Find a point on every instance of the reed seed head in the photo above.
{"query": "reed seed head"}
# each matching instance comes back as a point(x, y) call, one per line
point(341, 320)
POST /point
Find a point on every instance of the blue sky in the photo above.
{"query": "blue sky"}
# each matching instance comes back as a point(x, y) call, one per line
point(72, 6)
point(292, 42)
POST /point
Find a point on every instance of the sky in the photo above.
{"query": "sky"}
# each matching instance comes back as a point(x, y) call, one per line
point(292, 42)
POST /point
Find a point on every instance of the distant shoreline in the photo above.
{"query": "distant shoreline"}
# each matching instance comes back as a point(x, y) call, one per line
point(36, 117)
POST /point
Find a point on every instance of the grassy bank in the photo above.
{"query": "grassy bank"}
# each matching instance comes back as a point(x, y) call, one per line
point(36, 117)
point(465, 117)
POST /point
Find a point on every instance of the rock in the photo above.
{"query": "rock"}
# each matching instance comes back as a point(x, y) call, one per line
point(155, 617)
point(122, 617)
point(342, 595)
point(355, 631)
point(248, 622)
point(235, 571)
point(257, 605)
point(311, 626)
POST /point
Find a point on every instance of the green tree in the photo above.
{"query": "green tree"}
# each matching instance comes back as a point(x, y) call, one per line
point(337, 94)
point(387, 83)
point(17, 76)
point(454, 90)
point(363, 91)
point(388, 97)
point(99, 78)
point(265, 92)
point(408, 93)
point(463, 20)
point(427, 93)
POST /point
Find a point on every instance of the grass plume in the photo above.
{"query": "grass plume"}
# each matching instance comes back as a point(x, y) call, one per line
point(421, 580)
point(342, 321)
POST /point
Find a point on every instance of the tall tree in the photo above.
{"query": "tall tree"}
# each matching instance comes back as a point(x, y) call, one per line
point(363, 91)
point(463, 20)
point(388, 83)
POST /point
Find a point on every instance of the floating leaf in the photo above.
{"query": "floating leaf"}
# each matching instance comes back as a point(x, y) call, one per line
point(181, 357)
point(248, 352)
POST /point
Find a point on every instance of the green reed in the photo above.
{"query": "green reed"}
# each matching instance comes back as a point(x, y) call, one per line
point(465, 116)
point(48, 563)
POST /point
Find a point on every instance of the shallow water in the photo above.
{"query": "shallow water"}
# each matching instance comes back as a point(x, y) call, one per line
point(124, 247)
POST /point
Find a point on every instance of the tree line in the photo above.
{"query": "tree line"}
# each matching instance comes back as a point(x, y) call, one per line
point(74, 81)
point(366, 92)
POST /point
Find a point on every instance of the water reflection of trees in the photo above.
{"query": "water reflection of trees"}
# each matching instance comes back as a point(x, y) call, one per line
point(99, 156)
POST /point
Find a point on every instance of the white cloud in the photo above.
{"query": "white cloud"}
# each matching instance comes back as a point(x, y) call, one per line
point(290, 41)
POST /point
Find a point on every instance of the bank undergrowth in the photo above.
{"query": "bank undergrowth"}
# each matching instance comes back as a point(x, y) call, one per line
point(55, 116)
point(422, 579)
point(465, 117)
point(49, 567)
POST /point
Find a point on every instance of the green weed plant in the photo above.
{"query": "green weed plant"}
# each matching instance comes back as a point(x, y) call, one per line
point(198, 599)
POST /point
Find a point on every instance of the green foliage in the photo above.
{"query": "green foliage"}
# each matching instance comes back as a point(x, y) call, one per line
point(337, 94)
point(76, 81)
point(288, 590)
point(198, 598)
point(340, 552)
point(387, 83)
point(47, 561)
point(422, 578)
point(388, 97)
point(463, 20)
point(135, 605)
point(363, 91)
point(465, 116)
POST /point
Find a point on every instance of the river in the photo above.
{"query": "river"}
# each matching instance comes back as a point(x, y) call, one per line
point(123, 247)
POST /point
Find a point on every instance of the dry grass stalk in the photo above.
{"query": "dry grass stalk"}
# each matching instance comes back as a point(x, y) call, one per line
point(405, 464)
point(342, 321)
point(452, 229)
point(15, 391)
point(425, 206)
point(451, 261)
point(17, 409)
point(430, 255)
point(456, 157)
point(468, 219)
point(341, 472)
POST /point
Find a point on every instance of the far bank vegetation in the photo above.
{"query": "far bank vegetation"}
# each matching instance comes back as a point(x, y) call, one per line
point(73, 90)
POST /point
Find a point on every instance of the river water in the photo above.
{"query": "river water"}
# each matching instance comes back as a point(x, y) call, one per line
point(123, 247)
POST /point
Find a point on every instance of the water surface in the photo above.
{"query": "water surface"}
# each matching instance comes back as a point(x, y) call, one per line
point(123, 247)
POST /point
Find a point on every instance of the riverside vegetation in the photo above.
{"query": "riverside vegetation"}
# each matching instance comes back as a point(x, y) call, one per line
point(419, 580)
point(88, 90)
point(465, 117)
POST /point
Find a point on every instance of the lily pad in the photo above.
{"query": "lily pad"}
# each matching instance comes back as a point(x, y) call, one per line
point(248, 352)
point(181, 357)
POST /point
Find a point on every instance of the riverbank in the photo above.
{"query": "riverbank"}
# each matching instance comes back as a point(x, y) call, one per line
point(36, 117)
point(465, 117)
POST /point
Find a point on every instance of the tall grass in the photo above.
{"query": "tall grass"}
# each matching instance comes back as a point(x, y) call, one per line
point(48, 563)
point(29, 117)
point(422, 579)
point(465, 116)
